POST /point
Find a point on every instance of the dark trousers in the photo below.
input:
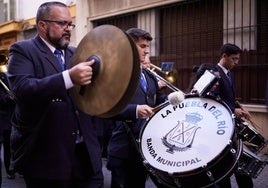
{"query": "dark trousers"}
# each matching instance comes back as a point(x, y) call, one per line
point(82, 176)
point(243, 181)
point(127, 173)
point(0, 167)
point(6, 150)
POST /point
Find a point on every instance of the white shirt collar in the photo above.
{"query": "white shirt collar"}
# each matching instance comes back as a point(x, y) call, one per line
point(52, 48)
point(223, 68)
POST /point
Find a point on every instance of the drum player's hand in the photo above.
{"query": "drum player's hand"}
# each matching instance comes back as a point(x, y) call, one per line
point(242, 113)
point(144, 111)
point(193, 91)
point(81, 74)
point(161, 84)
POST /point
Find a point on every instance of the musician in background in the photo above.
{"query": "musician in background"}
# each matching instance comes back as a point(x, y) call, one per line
point(7, 104)
point(146, 65)
point(124, 159)
point(230, 56)
point(214, 92)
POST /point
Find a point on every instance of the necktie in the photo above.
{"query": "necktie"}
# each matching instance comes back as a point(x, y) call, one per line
point(58, 53)
point(143, 82)
point(229, 77)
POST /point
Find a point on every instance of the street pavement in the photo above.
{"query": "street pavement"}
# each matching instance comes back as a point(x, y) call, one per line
point(260, 182)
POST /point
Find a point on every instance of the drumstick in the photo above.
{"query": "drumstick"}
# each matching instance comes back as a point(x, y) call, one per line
point(174, 99)
point(160, 106)
point(249, 119)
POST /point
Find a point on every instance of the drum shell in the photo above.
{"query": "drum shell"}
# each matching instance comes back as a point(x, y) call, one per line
point(250, 164)
point(251, 137)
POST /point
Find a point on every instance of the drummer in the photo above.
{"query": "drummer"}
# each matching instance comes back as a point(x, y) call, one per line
point(230, 55)
point(146, 65)
point(229, 58)
point(124, 160)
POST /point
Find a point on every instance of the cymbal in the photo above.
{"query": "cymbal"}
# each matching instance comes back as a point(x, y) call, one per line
point(3, 60)
point(115, 72)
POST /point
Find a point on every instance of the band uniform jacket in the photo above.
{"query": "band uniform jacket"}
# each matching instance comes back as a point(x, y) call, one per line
point(120, 142)
point(226, 90)
point(6, 105)
point(36, 80)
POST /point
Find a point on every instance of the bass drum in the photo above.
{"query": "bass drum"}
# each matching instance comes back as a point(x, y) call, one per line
point(192, 144)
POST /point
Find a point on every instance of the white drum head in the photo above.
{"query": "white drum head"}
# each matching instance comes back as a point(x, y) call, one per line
point(188, 136)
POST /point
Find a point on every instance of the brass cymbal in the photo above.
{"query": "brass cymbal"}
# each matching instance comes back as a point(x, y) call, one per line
point(115, 72)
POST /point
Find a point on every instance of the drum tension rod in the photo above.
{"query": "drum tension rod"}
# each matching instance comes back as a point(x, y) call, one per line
point(209, 174)
point(177, 182)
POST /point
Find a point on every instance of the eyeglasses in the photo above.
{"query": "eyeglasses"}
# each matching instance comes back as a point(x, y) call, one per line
point(63, 24)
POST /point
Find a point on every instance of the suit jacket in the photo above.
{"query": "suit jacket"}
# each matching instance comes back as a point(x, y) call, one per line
point(226, 90)
point(6, 106)
point(36, 79)
point(120, 142)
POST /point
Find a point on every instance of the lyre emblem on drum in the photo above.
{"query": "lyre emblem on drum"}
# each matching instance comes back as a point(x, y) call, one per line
point(180, 137)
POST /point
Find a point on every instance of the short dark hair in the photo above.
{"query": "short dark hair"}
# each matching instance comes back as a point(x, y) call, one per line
point(195, 68)
point(206, 66)
point(137, 34)
point(43, 11)
point(200, 71)
point(230, 49)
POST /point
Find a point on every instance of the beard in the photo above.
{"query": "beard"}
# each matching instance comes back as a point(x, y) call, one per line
point(60, 42)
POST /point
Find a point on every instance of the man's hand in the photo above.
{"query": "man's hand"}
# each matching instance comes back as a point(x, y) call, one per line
point(144, 111)
point(241, 112)
point(81, 74)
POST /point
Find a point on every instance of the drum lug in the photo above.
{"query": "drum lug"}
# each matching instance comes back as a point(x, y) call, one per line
point(233, 151)
point(233, 116)
point(177, 182)
point(218, 98)
point(210, 176)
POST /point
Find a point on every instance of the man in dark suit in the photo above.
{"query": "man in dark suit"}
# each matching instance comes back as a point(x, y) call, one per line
point(230, 56)
point(124, 159)
point(6, 109)
point(65, 151)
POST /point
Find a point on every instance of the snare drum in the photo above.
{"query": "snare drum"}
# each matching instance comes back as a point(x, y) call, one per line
point(254, 140)
point(192, 144)
point(251, 164)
